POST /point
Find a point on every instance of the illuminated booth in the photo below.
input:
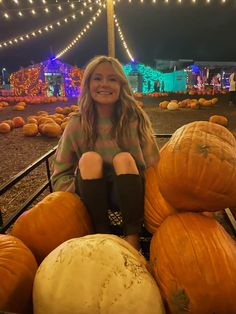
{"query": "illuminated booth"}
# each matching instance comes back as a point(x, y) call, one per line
point(48, 78)
point(142, 79)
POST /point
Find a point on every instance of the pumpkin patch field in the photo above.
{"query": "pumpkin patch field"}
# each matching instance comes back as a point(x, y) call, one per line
point(65, 268)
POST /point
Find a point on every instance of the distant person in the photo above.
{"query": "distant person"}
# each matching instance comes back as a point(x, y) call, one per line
point(157, 86)
point(149, 85)
point(199, 83)
point(163, 86)
point(56, 89)
point(105, 149)
point(232, 88)
point(214, 83)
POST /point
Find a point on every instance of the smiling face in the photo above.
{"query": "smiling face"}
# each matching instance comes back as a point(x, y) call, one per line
point(104, 85)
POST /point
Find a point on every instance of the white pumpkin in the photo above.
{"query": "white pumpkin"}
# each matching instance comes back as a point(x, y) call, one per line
point(95, 274)
point(172, 105)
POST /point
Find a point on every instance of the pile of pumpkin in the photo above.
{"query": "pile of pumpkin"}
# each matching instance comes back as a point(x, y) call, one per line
point(50, 125)
point(20, 102)
point(187, 103)
point(152, 94)
point(18, 106)
point(33, 99)
point(192, 265)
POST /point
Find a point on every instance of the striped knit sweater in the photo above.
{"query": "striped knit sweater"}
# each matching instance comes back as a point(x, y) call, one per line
point(72, 145)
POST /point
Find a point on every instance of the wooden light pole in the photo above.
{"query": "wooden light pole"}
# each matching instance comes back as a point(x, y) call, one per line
point(110, 28)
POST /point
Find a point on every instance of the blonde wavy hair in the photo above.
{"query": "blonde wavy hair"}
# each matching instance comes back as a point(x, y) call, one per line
point(126, 108)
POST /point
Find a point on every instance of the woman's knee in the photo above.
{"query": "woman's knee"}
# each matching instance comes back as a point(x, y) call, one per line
point(124, 163)
point(91, 165)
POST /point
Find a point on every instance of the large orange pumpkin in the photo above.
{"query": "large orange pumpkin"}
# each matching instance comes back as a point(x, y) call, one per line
point(17, 270)
point(60, 216)
point(156, 208)
point(197, 168)
point(193, 261)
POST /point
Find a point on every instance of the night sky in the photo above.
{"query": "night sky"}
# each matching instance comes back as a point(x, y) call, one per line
point(200, 31)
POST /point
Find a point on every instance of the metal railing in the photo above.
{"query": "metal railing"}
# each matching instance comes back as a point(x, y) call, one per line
point(45, 159)
point(13, 181)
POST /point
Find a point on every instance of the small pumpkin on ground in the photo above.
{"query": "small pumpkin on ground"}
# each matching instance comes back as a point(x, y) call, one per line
point(45, 119)
point(32, 119)
point(58, 217)
point(10, 122)
point(206, 103)
point(17, 270)
point(192, 259)
point(172, 105)
point(95, 274)
point(19, 107)
point(197, 168)
point(42, 113)
point(164, 104)
point(59, 109)
point(51, 129)
point(4, 128)
point(214, 100)
point(222, 120)
point(194, 105)
point(30, 129)
point(18, 122)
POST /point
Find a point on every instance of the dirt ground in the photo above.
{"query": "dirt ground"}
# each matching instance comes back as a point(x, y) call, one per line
point(18, 152)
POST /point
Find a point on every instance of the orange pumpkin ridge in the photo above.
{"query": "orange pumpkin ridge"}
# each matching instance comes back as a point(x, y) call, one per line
point(60, 216)
point(193, 261)
point(197, 168)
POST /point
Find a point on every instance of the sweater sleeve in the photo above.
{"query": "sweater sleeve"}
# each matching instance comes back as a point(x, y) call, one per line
point(145, 151)
point(66, 158)
point(150, 153)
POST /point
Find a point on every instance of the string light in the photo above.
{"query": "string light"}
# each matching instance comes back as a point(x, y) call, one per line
point(122, 38)
point(167, 1)
point(39, 31)
point(80, 34)
point(45, 9)
point(6, 15)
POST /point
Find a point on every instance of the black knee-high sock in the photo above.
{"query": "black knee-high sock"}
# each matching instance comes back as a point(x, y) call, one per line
point(130, 189)
point(94, 195)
